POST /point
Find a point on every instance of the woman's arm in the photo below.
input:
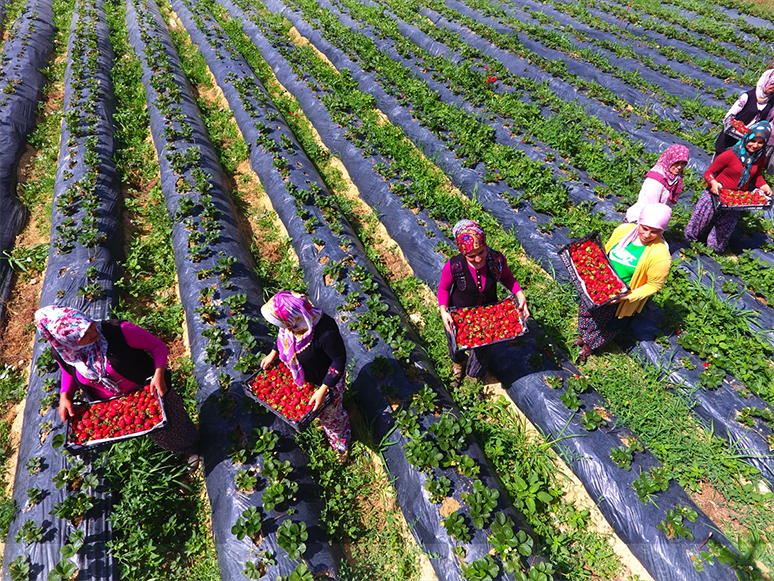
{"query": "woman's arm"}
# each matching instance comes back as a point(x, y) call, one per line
point(66, 394)
point(333, 346)
point(736, 108)
point(509, 282)
point(443, 296)
point(138, 338)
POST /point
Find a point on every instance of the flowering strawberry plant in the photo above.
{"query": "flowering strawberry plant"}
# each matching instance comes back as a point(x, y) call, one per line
point(741, 199)
point(476, 326)
point(595, 278)
point(275, 389)
point(124, 416)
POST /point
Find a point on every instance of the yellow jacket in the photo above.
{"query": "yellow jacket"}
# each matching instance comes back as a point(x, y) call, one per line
point(649, 275)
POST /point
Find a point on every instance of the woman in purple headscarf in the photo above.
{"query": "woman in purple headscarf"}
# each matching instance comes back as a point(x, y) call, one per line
point(739, 168)
point(639, 255)
point(751, 107)
point(111, 357)
point(310, 345)
point(470, 279)
point(663, 183)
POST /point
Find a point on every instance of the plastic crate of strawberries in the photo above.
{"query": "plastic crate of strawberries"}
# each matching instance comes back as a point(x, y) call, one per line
point(740, 200)
point(275, 389)
point(118, 418)
point(739, 127)
point(486, 325)
point(591, 272)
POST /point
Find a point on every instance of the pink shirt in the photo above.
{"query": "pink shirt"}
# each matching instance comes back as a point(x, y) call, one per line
point(136, 337)
point(447, 279)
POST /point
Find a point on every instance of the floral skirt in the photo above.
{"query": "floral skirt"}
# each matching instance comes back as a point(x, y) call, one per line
point(179, 435)
point(335, 419)
point(721, 224)
point(598, 326)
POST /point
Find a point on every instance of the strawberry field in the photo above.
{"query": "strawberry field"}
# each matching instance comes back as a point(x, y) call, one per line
point(176, 162)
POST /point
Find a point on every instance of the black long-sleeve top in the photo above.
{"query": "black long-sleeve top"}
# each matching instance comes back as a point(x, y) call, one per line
point(325, 359)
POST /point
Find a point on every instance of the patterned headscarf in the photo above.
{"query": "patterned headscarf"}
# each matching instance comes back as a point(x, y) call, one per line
point(760, 129)
point(469, 236)
point(766, 80)
point(296, 317)
point(660, 172)
point(64, 327)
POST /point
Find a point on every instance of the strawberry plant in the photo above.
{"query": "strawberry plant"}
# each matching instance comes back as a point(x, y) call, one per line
point(592, 420)
point(509, 545)
point(481, 502)
point(648, 483)
point(29, 533)
point(74, 507)
point(291, 536)
point(19, 568)
point(249, 525)
point(438, 488)
point(673, 526)
point(456, 527)
point(63, 571)
point(484, 569)
point(279, 492)
point(245, 480)
point(74, 544)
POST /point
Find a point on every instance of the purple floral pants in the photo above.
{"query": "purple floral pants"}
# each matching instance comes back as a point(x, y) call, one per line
point(598, 326)
point(702, 218)
point(335, 419)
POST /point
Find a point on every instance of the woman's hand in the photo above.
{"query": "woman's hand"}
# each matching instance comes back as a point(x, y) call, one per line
point(715, 186)
point(318, 397)
point(66, 409)
point(622, 298)
point(269, 359)
point(766, 189)
point(521, 297)
point(158, 383)
point(446, 317)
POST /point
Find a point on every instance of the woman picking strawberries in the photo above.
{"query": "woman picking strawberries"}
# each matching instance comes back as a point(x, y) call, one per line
point(639, 255)
point(751, 107)
point(310, 345)
point(108, 358)
point(739, 168)
point(663, 183)
point(470, 279)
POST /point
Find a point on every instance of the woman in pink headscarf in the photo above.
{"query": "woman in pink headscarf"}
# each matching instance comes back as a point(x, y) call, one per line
point(470, 279)
point(751, 107)
point(641, 258)
point(310, 345)
point(104, 358)
point(663, 183)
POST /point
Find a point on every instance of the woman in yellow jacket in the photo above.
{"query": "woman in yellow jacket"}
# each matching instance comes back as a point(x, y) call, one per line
point(641, 258)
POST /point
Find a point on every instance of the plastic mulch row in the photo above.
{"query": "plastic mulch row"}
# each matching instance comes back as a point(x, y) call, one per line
point(65, 274)
point(25, 54)
point(608, 486)
point(372, 367)
point(220, 399)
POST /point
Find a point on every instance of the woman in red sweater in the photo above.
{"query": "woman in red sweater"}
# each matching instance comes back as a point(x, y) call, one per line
point(738, 168)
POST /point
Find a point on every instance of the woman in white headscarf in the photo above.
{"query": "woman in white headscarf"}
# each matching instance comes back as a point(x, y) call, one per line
point(751, 107)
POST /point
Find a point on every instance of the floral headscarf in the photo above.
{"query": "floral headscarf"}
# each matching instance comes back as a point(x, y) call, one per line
point(675, 153)
point(469, 236)
point(766, 80)
point(760, 129)
point(296, 317)
point(64, 327)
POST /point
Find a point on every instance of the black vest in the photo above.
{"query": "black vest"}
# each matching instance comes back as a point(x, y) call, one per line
point(750, 110)
point(464, 291)
point(135, 365)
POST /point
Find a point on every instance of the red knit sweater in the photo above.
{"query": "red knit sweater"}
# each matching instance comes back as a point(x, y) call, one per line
point(727, 169)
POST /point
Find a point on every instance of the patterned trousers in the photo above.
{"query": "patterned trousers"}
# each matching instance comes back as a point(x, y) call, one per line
point(179, 435)
point(335, 419)
point(598, 326)
point(702, 218)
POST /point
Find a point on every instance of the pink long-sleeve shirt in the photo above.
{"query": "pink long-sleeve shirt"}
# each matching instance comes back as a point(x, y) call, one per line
point(136, 337)
point(447, 279)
